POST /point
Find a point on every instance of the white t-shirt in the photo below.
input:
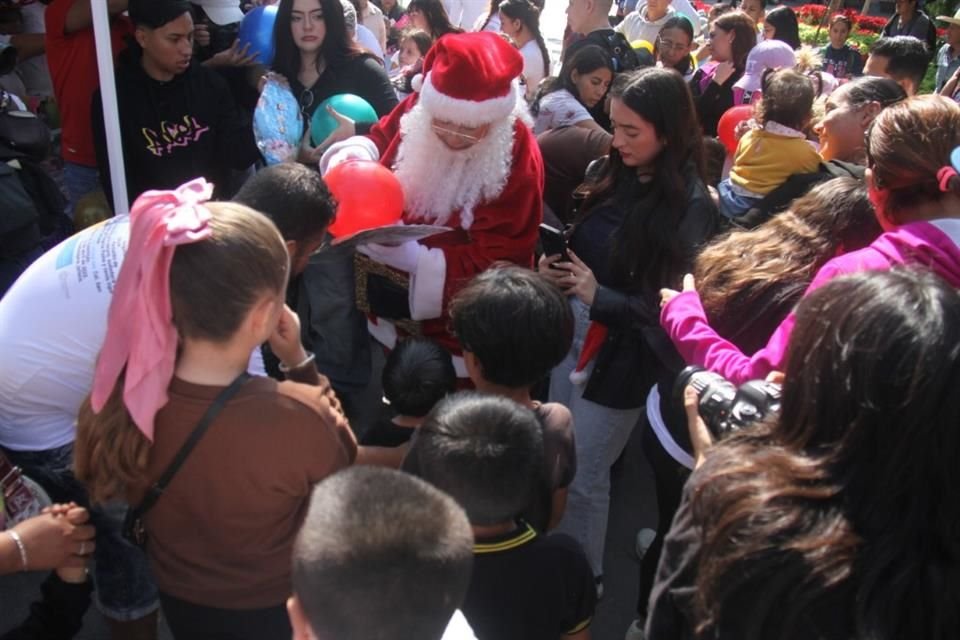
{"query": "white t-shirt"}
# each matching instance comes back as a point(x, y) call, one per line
point(559, 109)
point(52, 324)
point(373, 20)
point(492, 25)
point(458, 628)
point(53, 321)
point(532, 67)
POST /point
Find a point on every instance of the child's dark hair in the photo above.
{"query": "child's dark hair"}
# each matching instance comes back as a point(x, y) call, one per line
point(420, 37)
point(714, 156)
point(585, 60)
point(842, 18)
point(485, 451)
point(417, 375)
point(787, 99)
point(517, 324)
point(529, 14)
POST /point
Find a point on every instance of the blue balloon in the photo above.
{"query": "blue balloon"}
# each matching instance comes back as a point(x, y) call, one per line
point(257, 30)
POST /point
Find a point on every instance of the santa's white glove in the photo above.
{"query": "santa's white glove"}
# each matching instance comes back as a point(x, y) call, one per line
point(402, 256)
point(355, 148)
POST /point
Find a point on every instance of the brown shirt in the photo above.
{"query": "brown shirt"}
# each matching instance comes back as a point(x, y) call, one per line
point(222, 533)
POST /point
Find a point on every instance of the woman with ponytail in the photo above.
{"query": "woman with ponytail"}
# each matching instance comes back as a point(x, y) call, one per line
point(204, 291)
point(520, 19)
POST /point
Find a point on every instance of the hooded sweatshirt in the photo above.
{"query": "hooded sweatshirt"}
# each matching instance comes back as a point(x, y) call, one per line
point(174, 131)
point(934, 244)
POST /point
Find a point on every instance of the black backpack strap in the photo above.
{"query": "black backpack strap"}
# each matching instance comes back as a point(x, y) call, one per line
point(155, 491)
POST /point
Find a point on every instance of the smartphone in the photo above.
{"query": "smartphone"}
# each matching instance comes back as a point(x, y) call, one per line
point(553, 242)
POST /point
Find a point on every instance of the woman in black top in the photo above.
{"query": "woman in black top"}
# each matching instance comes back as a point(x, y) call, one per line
point(643, 219)
point(318, 57)
point(732, 37)
point(430, 16)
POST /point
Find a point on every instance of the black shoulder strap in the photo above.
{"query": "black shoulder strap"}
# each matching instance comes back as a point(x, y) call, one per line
point(154, 492)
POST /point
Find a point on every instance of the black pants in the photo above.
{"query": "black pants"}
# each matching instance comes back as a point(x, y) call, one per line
point(669, 477)
point(188, 621)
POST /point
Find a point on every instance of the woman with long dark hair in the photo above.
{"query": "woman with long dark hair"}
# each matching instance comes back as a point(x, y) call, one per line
point(490, 20)
point(781, 24)
point(430, 16)
point(732, 36)
point(836, 518)
point(642, 222)
point(582, 83)
point(319, 59)
point(520, 19)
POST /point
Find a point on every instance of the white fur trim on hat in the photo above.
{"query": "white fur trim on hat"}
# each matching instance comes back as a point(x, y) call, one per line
point(467, 112)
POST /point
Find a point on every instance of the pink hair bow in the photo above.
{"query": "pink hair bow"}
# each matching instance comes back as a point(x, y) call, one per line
point(140, 336)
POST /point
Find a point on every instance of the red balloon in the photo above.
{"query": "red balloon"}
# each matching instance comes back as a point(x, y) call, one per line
point(727, 125)
point(368, 194)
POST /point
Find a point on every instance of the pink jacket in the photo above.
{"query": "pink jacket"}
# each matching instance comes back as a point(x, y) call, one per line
point(934, 244)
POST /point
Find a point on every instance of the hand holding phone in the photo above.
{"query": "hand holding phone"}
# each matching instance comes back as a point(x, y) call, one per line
point(554, 243)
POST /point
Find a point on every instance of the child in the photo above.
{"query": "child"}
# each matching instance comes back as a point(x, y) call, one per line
point(581, 85)
point(767, 156)
point(205, 288)
point(515, 327)
point(840, 59)
point(486, 452)
point(674, 46)
point(408, 61)
point(769, 55)
point(418, 374)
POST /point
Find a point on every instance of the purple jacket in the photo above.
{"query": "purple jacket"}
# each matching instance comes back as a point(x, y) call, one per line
point(934, 244)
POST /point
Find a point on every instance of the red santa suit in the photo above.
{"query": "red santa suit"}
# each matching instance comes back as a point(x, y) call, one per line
point(490, 194)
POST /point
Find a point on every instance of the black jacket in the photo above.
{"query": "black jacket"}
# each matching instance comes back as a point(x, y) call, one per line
point(174, 131)
point(713, 101)
point(796, 186)
point(637, 351)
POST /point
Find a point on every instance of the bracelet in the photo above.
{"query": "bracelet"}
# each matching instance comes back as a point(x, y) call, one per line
point(310, 358)
point(20, 547)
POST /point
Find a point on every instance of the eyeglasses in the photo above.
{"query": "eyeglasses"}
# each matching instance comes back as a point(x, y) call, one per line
point(670, 45)
point(466, 137)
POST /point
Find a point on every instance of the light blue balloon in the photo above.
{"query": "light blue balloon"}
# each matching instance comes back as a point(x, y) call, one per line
point(257, 31)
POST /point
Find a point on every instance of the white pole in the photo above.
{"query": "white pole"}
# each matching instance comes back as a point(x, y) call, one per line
point(108, 92)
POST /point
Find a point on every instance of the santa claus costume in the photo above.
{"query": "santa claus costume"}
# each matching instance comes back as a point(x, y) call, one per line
point(489, 193)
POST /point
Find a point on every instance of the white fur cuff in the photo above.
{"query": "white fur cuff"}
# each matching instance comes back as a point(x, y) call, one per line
point(354, 148)
point(426, 285)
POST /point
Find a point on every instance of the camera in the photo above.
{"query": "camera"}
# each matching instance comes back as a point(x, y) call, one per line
point(724, 407)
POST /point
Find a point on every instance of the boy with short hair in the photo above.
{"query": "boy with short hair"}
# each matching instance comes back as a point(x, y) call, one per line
point(514, 327)
point(486, 452)
point(381, 554)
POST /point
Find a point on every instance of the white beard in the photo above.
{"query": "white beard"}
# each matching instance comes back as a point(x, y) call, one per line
point(438, 181)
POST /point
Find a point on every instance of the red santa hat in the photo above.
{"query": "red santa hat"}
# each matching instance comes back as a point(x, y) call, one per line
point(470, 79)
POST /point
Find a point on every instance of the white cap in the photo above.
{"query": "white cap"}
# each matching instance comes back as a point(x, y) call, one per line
point(221, 11)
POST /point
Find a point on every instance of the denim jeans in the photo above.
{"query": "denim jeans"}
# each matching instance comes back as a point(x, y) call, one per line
point(79, 181)
point(125, 589)
point(601, 434)
point(734, 204)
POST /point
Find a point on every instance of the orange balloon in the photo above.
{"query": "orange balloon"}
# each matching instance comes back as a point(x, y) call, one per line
point(368, 196)
point(727, 126)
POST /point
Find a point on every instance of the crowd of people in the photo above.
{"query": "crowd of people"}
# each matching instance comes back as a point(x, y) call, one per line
point(691, 228)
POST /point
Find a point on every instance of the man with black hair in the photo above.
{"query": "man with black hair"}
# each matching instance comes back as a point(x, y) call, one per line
point(486, 452)
point(515, 327)
point(178, 119)
point(381, 554)
point(903, 59)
